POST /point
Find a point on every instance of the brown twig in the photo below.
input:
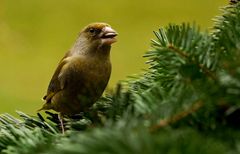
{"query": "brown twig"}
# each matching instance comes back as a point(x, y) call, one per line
point(208, 72)
point(165, 122)
point(183, 54)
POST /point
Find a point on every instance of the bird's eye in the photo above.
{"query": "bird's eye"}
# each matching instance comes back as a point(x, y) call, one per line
point(92, 30)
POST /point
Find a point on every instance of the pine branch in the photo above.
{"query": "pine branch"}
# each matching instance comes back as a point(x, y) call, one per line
point(201, 66)
point(175, 118)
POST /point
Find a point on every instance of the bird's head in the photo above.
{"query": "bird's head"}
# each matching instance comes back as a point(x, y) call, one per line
point(93, 37)
point(101, 33)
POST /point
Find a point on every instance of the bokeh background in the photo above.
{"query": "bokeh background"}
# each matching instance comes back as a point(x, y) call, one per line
point(35, 34)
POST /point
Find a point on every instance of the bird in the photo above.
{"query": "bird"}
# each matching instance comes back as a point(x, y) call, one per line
point(83, 73)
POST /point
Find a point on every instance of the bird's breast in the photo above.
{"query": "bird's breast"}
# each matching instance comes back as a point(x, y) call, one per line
point(91, 78)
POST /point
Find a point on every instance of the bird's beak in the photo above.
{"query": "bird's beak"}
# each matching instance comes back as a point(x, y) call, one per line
point(108, 35)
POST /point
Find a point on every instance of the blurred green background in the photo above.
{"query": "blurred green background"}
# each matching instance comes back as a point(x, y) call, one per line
point(35, 34)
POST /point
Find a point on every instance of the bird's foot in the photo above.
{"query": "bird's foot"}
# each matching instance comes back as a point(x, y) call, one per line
point(61, 123)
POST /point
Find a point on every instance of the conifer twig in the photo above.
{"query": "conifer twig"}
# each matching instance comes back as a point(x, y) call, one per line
point(183, 54)
point(165, 122)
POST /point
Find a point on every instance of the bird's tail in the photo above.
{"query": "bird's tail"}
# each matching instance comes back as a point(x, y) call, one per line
point(46, 106)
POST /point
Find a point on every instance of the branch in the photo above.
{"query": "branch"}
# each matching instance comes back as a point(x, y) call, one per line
point(183, 54)
point(165, 122)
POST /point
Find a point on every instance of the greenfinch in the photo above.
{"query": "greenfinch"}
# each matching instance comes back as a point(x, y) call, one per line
point(83, 73)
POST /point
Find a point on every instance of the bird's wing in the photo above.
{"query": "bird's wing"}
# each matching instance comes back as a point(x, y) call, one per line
point(58, 81)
